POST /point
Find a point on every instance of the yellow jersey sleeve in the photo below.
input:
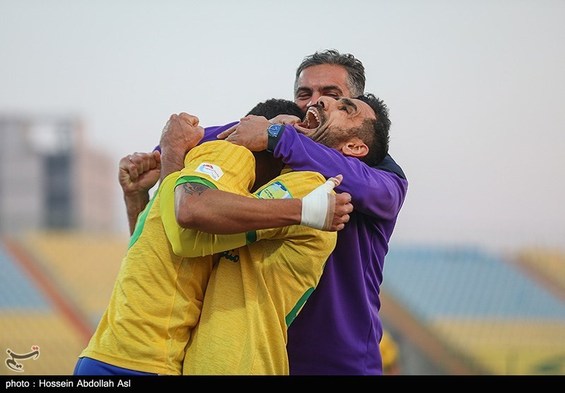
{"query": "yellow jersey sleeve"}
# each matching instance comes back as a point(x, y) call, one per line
point(221, 164)
point(288, 185)
point(217, 164)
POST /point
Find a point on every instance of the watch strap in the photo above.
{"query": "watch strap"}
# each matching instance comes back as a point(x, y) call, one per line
point(274, 133)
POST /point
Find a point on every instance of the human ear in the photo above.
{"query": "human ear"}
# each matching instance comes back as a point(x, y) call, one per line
point(355, 148)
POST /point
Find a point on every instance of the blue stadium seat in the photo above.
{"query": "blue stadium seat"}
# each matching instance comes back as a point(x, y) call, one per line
point(17, 292)
point(465, 282)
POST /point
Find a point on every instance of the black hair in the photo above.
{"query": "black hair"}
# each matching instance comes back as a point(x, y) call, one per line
point(268, 167)
point(377, 134)
point(276, 106)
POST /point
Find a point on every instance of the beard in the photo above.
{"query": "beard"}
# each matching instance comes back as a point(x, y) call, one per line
point(333, 138)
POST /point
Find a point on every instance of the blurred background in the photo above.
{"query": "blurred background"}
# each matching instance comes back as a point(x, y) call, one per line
point(475, 276)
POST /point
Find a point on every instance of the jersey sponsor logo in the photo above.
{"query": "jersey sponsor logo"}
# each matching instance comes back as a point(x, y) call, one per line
point(277, 190)
point(214, 171)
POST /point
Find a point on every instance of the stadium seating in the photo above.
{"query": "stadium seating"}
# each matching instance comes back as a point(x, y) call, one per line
point(481, 305)
point(492, 311)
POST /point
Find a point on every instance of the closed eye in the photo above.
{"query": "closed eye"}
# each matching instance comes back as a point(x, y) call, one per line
point(347, 105)
point(303, 94)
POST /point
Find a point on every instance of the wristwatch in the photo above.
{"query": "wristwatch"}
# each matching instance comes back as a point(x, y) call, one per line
point(273, 135)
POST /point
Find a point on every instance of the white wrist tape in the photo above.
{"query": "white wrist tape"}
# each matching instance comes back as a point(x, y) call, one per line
point(317, 209)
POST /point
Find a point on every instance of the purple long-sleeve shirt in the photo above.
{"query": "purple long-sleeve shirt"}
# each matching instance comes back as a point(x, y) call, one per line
point(338, 331)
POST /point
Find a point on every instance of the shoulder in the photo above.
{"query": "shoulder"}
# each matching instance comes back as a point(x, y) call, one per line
point(388, 164)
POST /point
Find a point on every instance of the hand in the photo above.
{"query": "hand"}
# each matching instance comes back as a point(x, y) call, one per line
point(180, 134)
point(342, 208)
point(251, 132)
point(323, 209)
point(279, 119)
point(139, 172)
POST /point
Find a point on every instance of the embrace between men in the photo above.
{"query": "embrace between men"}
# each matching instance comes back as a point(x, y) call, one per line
point(261, 294)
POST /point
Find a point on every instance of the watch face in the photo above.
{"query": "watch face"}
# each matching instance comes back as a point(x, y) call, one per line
point(274, 129)
point(273, 132)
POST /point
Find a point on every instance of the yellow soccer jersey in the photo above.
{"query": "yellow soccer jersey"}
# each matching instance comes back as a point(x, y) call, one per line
point(157, 297)
point(255, 292)
point(155, 302)
point(217, 164)
point(222, 165)
point(158, 294)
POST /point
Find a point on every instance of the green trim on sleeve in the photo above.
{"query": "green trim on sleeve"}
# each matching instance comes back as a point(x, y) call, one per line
point(141, 222)
point(294, 312)
point(251, 237)
point(195, 179)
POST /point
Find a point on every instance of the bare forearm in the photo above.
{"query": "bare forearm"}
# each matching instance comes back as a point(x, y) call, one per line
point(134, 206)
point(219, 212)
point(171, 161)
point(138, 173)
point(181, 133)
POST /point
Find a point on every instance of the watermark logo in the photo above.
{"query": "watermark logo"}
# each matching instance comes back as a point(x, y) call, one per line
point(12, 361)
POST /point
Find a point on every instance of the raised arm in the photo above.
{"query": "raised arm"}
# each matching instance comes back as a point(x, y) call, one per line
point(191, 242)
point(205, 199)
point(138, 173)
point(181, 133)
point(222, 212)
point(374, 191)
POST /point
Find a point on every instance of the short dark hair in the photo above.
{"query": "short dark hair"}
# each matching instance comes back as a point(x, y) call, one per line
point(268, 167)
point(354, 67)
point(375, 132)
point(276, 106)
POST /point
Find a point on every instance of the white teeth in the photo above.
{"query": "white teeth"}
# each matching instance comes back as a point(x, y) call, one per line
point(316, 115)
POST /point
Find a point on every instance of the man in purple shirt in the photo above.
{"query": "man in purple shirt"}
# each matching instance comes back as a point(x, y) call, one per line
point(338, 331)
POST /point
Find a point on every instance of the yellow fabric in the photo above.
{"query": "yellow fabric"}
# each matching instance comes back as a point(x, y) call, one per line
point(158, 294)
point(389, 352)
point(229, 167)
point(189, 242)
point(155, 303)
point(255, 292)
point(219, 164)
